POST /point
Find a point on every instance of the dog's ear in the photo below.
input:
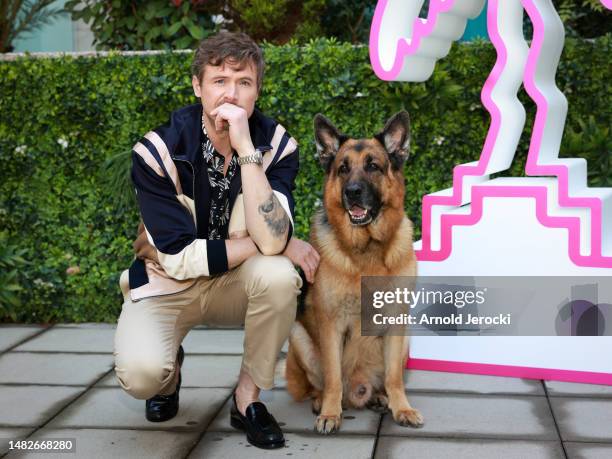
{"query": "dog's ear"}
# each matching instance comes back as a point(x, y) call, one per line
point(328, 140)
point(395, 137)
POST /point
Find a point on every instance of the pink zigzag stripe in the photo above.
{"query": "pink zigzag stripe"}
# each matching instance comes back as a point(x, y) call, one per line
point(537, 192)
point(420, 30)
point(561, 171)
point(588, 377)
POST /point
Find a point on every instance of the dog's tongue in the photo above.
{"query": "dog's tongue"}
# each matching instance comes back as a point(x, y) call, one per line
point(357, 211)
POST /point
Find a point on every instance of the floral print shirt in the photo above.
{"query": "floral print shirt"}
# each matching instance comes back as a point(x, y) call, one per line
point(219, 217)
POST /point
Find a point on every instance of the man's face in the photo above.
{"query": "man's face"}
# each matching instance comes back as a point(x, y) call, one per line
point(228, 83)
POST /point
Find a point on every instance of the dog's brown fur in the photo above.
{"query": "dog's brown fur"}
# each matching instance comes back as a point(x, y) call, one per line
point(328, 359)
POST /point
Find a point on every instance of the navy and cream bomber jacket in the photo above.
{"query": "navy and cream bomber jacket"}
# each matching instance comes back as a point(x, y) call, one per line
point(172, 189)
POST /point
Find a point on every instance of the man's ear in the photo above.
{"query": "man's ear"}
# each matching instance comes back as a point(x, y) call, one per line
point(328, 140)
point(395, 137)
point(195, 83)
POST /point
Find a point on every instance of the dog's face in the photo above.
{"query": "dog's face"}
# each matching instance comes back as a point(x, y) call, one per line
point(363, 175)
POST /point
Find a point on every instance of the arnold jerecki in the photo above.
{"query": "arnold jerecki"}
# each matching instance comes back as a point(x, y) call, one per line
point(458, 319)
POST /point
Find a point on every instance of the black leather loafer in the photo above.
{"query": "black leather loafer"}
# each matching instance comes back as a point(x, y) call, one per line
point(261, 428)
point(164, 407)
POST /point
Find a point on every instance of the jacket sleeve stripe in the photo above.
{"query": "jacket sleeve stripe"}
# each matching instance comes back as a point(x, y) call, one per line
point(289, 148)
point(281, 148)
point(268, 158)
point(277, 138)
point(162, 150)
point(148, 158)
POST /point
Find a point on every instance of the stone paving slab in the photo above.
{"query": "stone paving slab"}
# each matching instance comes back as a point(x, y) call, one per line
point(582, 419)
point(298, 417)
point(199, 371)
point(565, 389)
point(60, 369)
point(436, 381)
point(113, 408)
point(483, 416)
point(444, 448)
point(72, 340)
point(224, 445)
point(7, 434)
point(33, 405)
point(113, 444)
point(13, 334)
point(588, 450)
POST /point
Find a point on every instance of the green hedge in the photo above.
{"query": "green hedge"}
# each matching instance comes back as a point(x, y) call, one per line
point(62, 119)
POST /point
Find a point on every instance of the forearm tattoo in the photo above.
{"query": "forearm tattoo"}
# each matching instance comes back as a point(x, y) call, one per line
point(275, 216)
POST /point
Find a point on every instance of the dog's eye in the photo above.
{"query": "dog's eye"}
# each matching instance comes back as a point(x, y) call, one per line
point(343, 169)
point(372, 167)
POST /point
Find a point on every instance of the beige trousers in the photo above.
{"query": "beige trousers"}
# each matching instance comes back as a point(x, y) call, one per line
point(261, 293)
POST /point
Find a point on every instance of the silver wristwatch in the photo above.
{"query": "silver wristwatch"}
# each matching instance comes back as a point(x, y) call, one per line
point(255, 158)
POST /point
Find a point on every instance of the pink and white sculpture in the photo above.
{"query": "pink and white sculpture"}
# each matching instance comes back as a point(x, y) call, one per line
point(548, 223)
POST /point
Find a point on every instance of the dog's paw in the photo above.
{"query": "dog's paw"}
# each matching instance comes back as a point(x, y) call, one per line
point(379, 403)
point(410, 417)
point(326, 424)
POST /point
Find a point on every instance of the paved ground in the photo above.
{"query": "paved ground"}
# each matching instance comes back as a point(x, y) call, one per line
point(57, 383)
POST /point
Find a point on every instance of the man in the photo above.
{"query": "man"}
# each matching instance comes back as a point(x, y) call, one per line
point(214, 189)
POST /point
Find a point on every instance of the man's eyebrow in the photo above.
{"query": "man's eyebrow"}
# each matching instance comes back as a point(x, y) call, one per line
point(216, 76)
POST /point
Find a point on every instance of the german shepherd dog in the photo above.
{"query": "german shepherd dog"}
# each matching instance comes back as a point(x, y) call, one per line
point(361, 230)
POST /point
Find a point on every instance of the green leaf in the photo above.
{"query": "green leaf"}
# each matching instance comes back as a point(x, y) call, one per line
point(173, 29)
point(196, 31)
point(183, 42)
point(153, 33)
point(164, 12)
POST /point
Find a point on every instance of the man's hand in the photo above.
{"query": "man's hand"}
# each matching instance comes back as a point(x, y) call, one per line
point(236, 117)
point(302, 254)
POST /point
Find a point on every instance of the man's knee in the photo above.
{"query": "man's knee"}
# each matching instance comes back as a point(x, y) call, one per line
point(143, 378)
point(272, 275)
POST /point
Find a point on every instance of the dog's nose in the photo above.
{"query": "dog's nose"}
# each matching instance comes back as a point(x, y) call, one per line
point(353, 191)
